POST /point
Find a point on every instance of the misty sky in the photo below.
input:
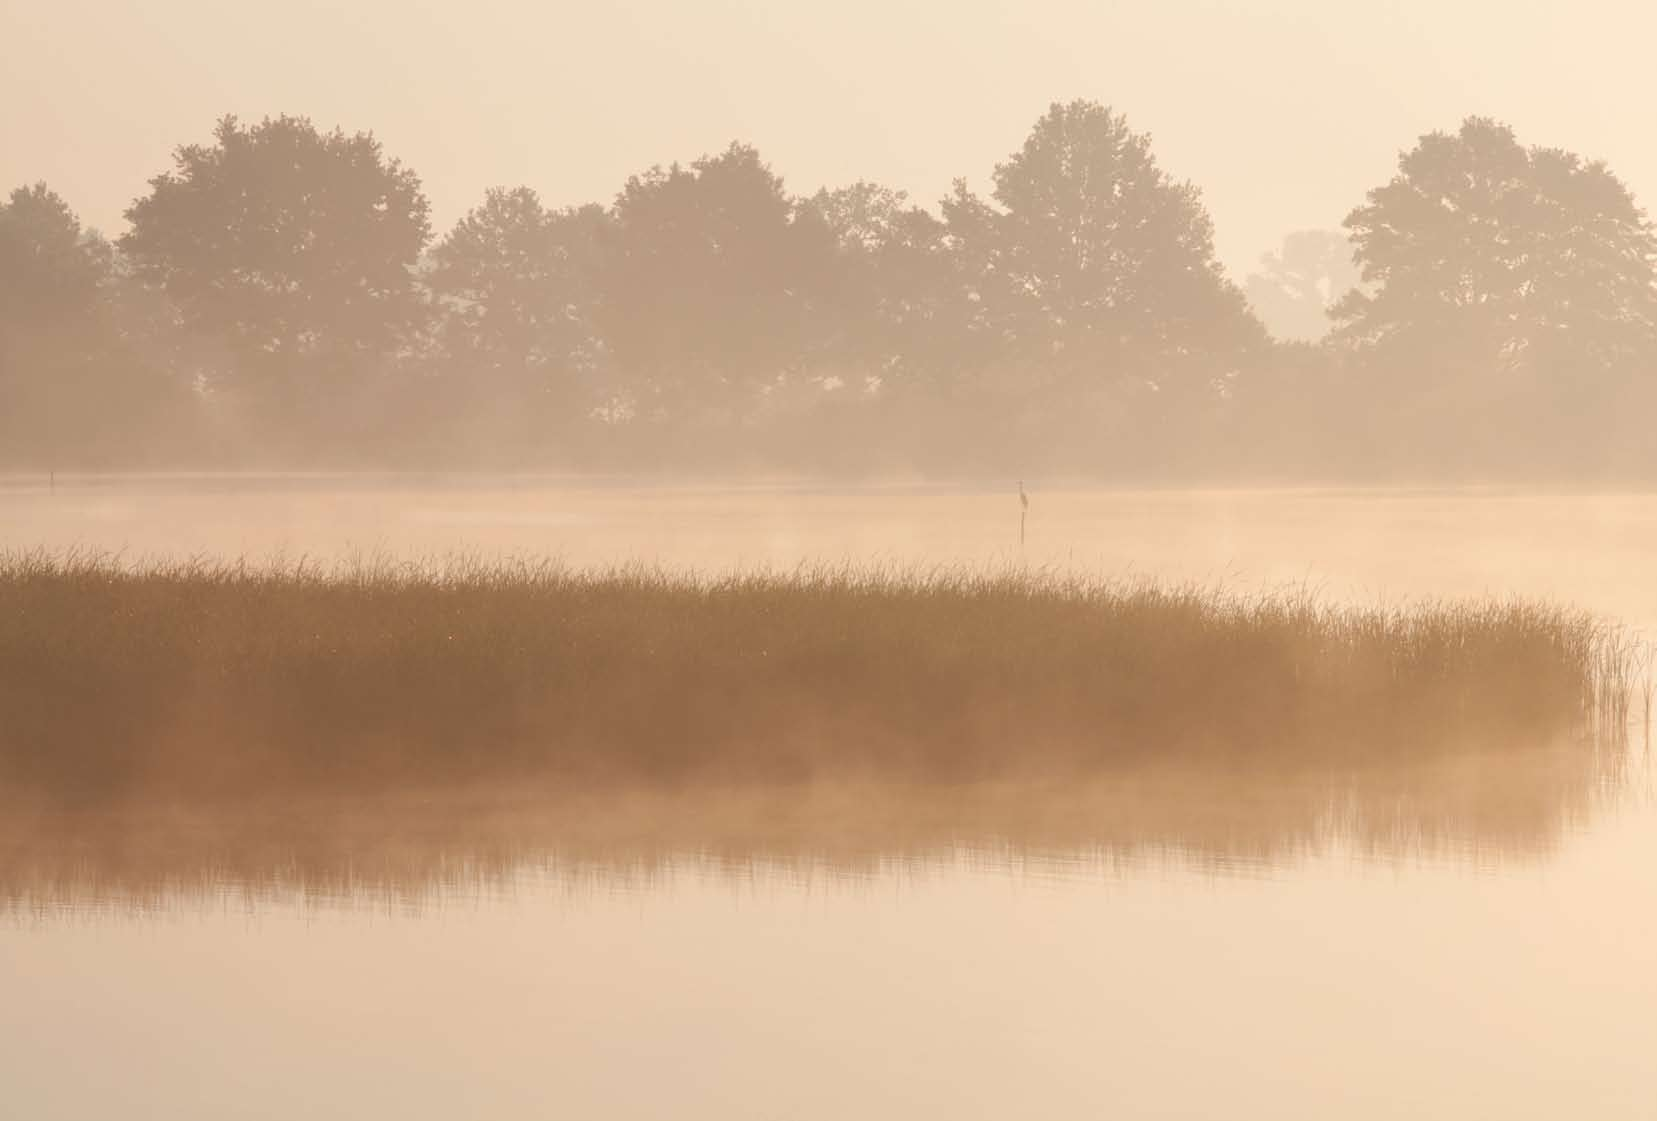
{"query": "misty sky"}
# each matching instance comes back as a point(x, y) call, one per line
point(1283, 111)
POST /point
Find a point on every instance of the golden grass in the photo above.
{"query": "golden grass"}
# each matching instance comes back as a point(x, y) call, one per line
point(210, 680)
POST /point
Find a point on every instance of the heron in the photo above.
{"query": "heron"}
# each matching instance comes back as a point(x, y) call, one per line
point(1023, 513)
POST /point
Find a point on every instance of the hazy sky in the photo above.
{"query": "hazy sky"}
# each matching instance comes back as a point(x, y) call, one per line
point(1283, 111)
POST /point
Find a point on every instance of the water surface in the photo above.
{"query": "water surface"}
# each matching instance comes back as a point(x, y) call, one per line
point(1473, 942)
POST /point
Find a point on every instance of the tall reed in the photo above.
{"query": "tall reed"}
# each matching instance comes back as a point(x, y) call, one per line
point(207, 678)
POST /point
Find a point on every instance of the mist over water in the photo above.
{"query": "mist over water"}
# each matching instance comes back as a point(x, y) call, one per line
point(721, 561)
point(492, 954)
point(1454, 940)
point(1364, 546)
point(1519, 987)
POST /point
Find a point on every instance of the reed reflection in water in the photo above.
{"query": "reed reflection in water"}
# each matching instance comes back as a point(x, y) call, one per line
point(414, 847)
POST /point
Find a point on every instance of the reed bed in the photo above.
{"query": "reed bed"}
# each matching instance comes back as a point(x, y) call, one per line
point(197, 679)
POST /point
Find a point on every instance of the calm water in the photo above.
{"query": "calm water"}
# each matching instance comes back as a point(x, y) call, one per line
point(1480, 946)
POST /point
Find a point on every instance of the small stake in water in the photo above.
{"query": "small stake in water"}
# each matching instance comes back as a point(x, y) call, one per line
point(1023, 513)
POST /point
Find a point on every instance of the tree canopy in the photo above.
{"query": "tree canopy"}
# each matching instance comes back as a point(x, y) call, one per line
point(276, 299)
point(1095, 259)
point(50, 270)
point(1483, 253)
point(705, 290)
point(290, 248)
point(519, 285)
point(77, 376)
point(887, 300)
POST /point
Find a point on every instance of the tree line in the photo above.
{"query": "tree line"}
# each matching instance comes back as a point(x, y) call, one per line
point(281, 299)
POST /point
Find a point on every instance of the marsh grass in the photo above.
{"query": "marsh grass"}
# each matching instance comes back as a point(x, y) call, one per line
point(205, 679)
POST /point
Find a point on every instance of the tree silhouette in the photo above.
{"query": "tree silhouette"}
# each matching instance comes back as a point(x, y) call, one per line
point(1300, 282)
point(290, 251)
point(1094, 318)
point(1491, 310)
point(50, 271)
point(1095, 261)
point(78, 380)
point(704, 300)
point(1483, 254)
point(862, 217)
point(519, 286)
point(889, 291)
point(51, 276)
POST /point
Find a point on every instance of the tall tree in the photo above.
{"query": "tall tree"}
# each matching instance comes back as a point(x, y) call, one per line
point(76, 382)
point(519, 288)
point(288, 253)
point(51, 274)
point(889, 288)
point(1095, 261)
point(50, 270)
point(704, 300)
point(1481, 254)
